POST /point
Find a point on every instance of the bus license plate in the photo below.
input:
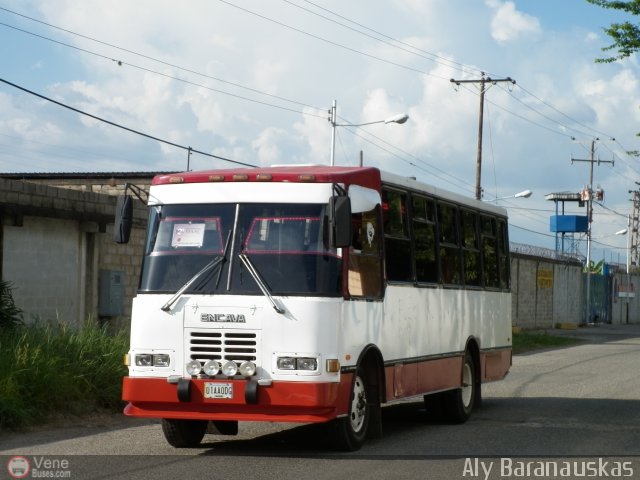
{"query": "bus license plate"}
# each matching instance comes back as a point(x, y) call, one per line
point(218, 390)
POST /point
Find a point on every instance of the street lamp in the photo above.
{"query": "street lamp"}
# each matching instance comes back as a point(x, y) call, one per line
point(400, 119)
point(523, 194)
point(625, 231)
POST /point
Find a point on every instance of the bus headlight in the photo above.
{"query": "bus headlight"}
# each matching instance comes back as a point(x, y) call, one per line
point(286, 363)
point(247, 369)
point(211, 368)
point(144, 360)
point(193, 367)
point(152, 360)
point(307, 364)
point(230, 368)
point(161, 360)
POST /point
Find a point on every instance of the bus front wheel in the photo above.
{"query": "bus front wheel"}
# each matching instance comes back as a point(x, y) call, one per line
point(351, 431)
point(184, 433)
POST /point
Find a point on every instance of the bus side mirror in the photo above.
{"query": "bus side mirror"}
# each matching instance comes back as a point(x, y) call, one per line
point(340, 221)
point(123, 219)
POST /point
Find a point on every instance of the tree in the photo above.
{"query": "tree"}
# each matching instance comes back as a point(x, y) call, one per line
point(626, 36)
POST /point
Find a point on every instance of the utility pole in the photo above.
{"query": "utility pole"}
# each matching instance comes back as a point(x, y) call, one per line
point(483, 81)
point(591, 160)
point(634, 226)
point(333, 117)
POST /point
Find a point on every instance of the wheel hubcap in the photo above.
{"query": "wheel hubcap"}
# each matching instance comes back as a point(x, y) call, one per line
point(358, 405)
point(467, 385)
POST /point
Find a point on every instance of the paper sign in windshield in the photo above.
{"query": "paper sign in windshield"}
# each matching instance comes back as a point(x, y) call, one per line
point(187, 235)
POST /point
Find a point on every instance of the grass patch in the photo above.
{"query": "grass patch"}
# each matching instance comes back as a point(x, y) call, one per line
point(52, 369)
point(527, 341)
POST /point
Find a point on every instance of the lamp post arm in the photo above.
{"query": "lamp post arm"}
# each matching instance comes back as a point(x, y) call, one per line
point(333, 117)
point(358, 124)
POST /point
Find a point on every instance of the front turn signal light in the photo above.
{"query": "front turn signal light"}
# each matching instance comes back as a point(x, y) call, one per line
point(333, 365)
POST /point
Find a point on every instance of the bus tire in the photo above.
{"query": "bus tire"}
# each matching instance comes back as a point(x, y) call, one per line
point(184, 433)
point(224, 427)
point(350, 432)
point(459, 403)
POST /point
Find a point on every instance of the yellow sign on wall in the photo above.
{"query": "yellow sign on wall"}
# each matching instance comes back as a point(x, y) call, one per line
point(545, 278)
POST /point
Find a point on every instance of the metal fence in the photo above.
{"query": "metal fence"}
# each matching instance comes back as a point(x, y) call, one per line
point(542, 252)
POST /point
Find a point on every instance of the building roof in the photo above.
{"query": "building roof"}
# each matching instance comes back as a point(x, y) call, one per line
point(81, 175)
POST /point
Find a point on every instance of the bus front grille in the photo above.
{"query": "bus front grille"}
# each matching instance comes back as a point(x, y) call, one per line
point(223, 345)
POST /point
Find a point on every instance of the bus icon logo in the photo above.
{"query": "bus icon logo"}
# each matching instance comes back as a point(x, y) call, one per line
point(18, 467)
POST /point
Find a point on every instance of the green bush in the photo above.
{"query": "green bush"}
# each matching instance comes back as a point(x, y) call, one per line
point(48, 369)
point(10, 314)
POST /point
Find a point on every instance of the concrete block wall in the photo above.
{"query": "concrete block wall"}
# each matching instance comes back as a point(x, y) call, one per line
point(55, 241)
point(568, 296)
point(545, 292)
point(42, 258)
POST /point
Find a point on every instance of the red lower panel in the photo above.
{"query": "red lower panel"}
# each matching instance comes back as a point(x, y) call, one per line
point(406, 380)
point(495, 364)
point(281, 401)
point(433, 375)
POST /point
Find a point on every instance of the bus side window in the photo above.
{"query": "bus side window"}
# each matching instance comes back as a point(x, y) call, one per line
point(503, 254)
point(450, 266)
point(365, 265)
point(398, 261)
point(490, 252)
point(471, 249)
point(424, 231)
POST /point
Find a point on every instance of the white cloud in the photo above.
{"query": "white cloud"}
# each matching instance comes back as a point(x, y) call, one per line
point(509, 24)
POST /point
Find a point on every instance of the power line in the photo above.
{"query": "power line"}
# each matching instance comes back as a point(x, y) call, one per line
point(166, 75)
point(386, 39)
point(142, 55)
point(421, 168)
point(452, 64)
point(331, 42)
point(563, 114)
point(530, 231)
point(544, 115)
point(439, 60)
point(137, 132)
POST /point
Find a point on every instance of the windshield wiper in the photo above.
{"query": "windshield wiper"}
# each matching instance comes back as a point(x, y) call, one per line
point(212, 264)
point(261, 283)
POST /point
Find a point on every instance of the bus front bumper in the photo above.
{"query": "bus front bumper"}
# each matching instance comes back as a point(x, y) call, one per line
point(281, 401)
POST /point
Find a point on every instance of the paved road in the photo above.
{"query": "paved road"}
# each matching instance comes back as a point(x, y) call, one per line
point(580, 403)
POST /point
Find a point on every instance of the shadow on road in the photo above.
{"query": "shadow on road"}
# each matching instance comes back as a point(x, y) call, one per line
point(501, 427)
point(509, 426)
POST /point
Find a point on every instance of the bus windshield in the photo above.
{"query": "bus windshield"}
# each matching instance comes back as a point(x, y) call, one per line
point(285, 242)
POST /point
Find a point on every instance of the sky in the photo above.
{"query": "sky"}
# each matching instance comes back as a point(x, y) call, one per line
point(252, 81)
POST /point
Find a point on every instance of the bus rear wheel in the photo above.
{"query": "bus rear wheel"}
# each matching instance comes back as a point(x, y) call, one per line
point(350, 432)
point(184, 433)
point(459, 403)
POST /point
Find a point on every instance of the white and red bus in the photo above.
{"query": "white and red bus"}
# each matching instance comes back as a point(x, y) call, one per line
point(312, 294)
